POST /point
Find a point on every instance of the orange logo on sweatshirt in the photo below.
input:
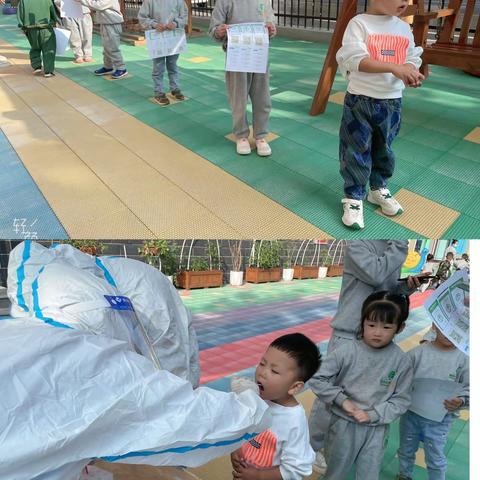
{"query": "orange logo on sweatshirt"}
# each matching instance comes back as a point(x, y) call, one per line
point(388, 48)
point(259, 451)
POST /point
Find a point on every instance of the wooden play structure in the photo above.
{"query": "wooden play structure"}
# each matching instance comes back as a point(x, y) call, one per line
point(457, 44)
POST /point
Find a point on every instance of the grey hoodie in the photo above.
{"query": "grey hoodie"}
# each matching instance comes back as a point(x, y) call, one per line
point(369, 266)
point(107, 12)
point(153, 12)
point(377, 380)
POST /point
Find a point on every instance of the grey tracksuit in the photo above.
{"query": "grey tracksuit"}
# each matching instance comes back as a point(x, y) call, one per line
point(377, 380)
point(242, 85)
point(81, 34)
point(369, 266)
point(110, 19)
point(153, 13)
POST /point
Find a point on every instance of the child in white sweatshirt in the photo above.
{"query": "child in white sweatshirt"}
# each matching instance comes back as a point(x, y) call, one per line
point(379, 58)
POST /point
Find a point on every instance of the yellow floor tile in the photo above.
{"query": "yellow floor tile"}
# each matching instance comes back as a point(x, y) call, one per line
point(473, 136)
point(338, 97)
point(424, 216)
point(198, 59)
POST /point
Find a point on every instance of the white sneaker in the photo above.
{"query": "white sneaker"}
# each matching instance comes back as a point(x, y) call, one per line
point(243, 146)
point(320, 464)
point(384, 198)
point(263, 148)
point(353, 213)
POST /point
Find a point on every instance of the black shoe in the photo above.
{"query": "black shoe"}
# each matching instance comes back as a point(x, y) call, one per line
point(178, 94)
point(162, 99)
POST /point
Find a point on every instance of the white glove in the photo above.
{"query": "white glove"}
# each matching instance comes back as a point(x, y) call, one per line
point(240, 384)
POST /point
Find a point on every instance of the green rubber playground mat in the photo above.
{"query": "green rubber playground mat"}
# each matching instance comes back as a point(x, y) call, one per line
point(213, 300)
point(433, 159)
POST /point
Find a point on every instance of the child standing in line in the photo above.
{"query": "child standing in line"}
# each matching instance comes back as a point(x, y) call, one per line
point(379, 59)
point(164, 15)
point(283, 451)
point(441, 360)
point(81, 33)
point(109, 16)
point(37, 18)
point(367, 383)
point(241, 85)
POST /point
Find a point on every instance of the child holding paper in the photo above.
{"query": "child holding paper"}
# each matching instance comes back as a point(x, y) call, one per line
point(241, 85)
point(440, 360)
point(164, 15)
point(37, 18)
point(81, 32)
point(109, 16)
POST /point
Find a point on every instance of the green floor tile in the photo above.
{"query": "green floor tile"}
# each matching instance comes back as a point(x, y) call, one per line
point(464, 227)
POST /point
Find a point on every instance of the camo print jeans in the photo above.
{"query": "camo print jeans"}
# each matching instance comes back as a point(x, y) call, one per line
point(368, 128)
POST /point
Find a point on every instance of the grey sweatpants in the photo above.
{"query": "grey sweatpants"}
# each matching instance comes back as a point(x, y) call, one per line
point(240, 86)
point(81, 35)
point(320, 416)
point(112, 56)
point(351, 443)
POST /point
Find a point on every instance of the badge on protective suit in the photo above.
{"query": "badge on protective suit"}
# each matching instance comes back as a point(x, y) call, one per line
point(118, 302)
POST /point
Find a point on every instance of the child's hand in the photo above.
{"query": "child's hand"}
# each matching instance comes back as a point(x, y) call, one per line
point(171, 26)
point(453, 404)
point(220, 31)
point(406, 73)
point(272, 29)
point(236, 459)
point(349, 407)
point(361, 416)
point(245, 472)
point(160, 27)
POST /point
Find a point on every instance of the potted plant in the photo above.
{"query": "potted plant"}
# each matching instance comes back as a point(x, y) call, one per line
point(201, 273)
point(335, 271)
point(236, 274)
point(302, 271)
point(289, 251)
point(91, 247)
point(10, 7)
point(264, 262)
point(325, 262)
point(160, 255)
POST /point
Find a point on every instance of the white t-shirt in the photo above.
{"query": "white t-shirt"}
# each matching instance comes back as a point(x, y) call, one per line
point(286, 444)
point(381, 37)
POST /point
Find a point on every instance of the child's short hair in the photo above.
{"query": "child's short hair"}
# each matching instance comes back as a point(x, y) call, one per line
point(449, 253)
point(465, 256)
point(302, 350)
point(386, 307)
point(429, 257)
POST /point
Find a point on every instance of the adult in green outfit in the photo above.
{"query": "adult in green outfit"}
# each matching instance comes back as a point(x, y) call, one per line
point(37, 18)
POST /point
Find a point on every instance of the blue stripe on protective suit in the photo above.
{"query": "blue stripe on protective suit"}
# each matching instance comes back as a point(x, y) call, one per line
point(21, 275)
point(36, 306)
point(108, 277)
point(185, 449)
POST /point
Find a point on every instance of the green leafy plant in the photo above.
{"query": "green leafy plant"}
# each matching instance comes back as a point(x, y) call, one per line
point(213, 256)
point(325, 260)
point(160, 254)
point(199, 265)
point(268, 254)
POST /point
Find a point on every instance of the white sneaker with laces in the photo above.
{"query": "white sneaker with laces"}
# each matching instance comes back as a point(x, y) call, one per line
point(243, 146)
point(320, 464)
point(353, 213)
point(263, 148)
point(387, 202)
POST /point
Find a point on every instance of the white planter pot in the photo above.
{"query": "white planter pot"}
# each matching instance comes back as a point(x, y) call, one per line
point(287, 274)
point(322, 272)
point(170, 277)
point(236, 278)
